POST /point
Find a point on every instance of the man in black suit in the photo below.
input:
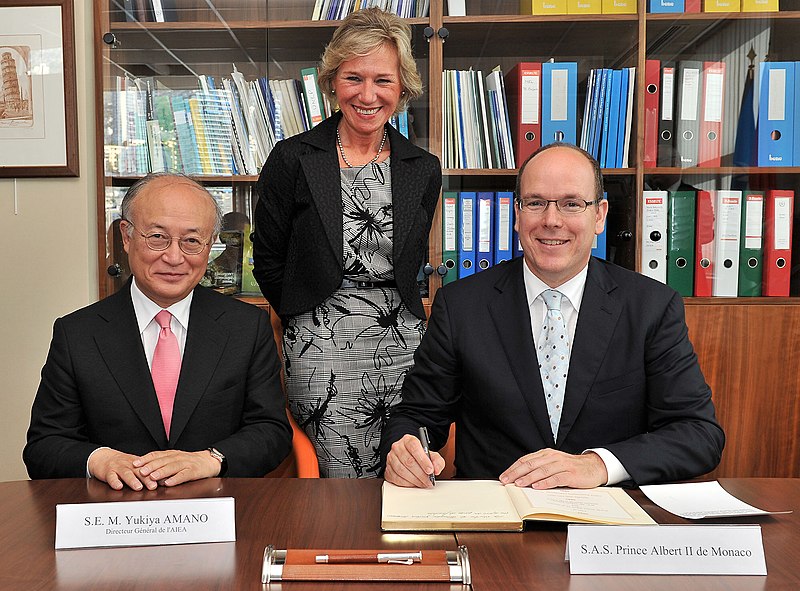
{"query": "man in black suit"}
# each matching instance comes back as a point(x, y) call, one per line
point(97, 412)
point(635, 404)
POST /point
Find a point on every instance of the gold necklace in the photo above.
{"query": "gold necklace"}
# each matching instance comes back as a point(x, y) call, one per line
point(344, 158)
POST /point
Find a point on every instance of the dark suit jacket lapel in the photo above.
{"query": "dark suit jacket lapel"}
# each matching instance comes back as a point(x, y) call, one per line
point(511, 315)
point(205, 343)
point(408, 188)
point(598, 315)
point(321, 170)
point(121, 347)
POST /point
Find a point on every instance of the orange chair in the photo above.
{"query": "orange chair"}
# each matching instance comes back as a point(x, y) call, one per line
point(302, 460)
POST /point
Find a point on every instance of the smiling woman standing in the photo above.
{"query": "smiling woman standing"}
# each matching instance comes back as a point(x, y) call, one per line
point(341, 229)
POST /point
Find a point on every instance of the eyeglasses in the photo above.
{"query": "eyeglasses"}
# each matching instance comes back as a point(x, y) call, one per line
point(159, 241)
point(566, 205)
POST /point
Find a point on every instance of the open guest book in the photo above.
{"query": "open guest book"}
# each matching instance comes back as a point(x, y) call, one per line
point(490, 505)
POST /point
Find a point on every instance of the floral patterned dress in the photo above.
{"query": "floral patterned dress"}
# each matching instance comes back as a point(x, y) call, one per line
point(347, 358)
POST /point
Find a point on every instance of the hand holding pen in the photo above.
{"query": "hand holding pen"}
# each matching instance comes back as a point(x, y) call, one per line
point(408, 459)
point(426, 447)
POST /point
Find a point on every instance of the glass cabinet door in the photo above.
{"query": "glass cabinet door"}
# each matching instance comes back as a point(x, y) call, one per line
point(580, 48)
point(206, 89)
point(728, 152)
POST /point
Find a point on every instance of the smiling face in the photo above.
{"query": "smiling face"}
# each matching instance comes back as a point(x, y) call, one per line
point(177, 208)
point(368, 91)
point(557, 246)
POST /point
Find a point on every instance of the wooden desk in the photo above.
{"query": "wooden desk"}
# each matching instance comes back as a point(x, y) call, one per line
point(291, 513)
point(535, 560)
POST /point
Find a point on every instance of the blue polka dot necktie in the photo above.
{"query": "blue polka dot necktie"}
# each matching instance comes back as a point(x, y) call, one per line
point(552, 349)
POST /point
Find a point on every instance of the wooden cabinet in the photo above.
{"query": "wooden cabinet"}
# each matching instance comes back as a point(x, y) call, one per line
point(748, 347)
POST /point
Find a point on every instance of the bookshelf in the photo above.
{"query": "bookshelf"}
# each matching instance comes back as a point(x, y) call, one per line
point(746, 346)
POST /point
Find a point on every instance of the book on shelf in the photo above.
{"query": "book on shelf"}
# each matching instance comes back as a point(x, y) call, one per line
point(760, 6)
point(727, 228)
point(627, 121)
point(666, 118)
point(619, 6)
point(185, 133)
point(654, 235)
point(476, 132)
point(249, 284)
point(559, 102)
point(496, 90)
point(711, 128)
point(488, 505)
point(584, 6)
point(400, 123)
point(543, 7)
point(687, 124)
point(652, 86)
point(450, 236)
point(721, 5)
point(776, 114)
point(608, 116)
point(164, 11)
point(751, 256)
point(524, 88)
point(339, 9)
point(680, 241)
point(778, 224)
point(665, 6)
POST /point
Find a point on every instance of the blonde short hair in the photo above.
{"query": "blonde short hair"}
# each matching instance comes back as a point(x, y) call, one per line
point(361, 33)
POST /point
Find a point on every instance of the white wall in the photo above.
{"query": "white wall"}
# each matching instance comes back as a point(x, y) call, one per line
point(49, 261)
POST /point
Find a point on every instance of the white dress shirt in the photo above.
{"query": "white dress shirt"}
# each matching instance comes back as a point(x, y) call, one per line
point(570, 306)
point(146, 310)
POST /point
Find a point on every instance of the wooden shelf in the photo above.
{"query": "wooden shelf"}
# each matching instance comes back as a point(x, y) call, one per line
point(745, 346)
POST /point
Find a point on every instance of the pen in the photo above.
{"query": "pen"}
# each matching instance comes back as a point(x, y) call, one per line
point(370, 557)
point(426, 446)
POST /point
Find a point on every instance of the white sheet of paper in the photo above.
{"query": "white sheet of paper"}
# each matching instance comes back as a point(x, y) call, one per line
point(696, 500)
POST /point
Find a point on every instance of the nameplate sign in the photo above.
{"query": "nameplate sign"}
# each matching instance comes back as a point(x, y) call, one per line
point(145, 523)
point(666, 550)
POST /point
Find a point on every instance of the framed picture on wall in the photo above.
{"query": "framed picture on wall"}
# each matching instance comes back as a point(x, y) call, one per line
point(38, 106)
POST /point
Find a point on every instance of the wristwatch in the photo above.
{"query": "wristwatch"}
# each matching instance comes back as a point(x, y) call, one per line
point(218, 455)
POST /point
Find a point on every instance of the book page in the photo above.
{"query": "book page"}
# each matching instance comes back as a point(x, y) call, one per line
point(596, 505)
point(451, 504)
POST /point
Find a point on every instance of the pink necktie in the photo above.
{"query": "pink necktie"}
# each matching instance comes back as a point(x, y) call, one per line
point(166, 368)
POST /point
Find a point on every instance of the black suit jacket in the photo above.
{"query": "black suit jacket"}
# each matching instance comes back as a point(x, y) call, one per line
point(299, 227)
point(96, 389)
point(634, 385)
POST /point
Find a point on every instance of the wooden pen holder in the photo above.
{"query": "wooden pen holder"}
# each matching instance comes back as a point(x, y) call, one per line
point(446, 566)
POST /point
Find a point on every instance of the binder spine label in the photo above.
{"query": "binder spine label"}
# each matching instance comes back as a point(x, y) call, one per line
point(691, 88)
point(467, 224)
point(485, 230)
point(776, 111)
point(713, 102)
point(783, 223)
point(504, 221)
point(667, 92)
point(531, 92)
point(450, 223)
point(560, 91)
point(754, 221)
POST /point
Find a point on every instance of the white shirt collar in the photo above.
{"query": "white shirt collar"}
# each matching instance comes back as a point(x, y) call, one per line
point(146, 309)
point(572, 289)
